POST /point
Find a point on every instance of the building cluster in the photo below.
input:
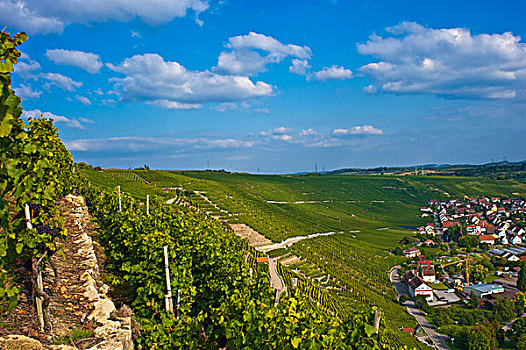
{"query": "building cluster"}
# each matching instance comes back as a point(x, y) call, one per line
point(416, 285)
point(510, 254)
point(492, 220)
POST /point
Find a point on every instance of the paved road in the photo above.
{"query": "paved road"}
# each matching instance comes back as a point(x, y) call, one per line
point(412, 309)
point(276, 281)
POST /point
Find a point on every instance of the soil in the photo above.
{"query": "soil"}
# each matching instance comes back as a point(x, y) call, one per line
point(68, 307)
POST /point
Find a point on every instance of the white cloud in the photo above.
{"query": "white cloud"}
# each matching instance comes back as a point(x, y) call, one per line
point(308, 132)
point(279, 134)
point(62, 81)
point(37, 113)
point(86, 120)
point(51, 16)
point(370, 89)
point(151, 79)
point(447, 62)
point(242, 107)
point(225, 107)
point(358, 130)
point(334, 72)
point(84, 100)
point(108, 102)
point(299, 66)
point(245, 55)
point(26, 67)
point(87, 61)
point(174, 104)
point(261, 110)
point(25, 92)
point(276, 131)
point(135, 144)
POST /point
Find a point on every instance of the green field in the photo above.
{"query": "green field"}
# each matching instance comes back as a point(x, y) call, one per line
point(367, 212)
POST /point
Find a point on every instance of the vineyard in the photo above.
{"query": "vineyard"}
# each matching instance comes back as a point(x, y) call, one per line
point(221, 295)
point(337, 274)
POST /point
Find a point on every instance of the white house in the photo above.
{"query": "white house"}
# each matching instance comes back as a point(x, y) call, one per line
point(428, 276)
point(418, 287)
point(515, 240)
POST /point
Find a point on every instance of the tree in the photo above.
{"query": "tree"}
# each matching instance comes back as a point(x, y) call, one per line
point(473, 301)
point(478, 272)
point(521, 281)
point(520, 303)
point(504, 310)
point(479, 339)
point(521, 343)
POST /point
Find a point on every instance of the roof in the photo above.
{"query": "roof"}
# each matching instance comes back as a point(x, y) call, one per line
point(486, 238)
point(262, 259)
point(484, 287)
point(416, 282)
point(428, 272)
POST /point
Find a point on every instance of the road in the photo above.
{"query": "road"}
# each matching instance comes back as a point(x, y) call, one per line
point(412, 309)
point(438, 226)
point(276, 281)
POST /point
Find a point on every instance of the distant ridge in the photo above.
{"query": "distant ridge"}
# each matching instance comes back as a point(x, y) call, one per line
point(496, 170)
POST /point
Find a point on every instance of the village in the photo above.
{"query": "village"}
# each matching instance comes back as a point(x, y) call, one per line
point(464, 266)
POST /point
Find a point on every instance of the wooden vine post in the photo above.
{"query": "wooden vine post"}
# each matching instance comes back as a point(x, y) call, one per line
point(377, 317)
point(40, 284)
point(147, 204)
point(168, 297)
point(120, 202)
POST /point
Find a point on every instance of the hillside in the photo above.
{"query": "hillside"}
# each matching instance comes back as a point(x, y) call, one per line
point(366, 213)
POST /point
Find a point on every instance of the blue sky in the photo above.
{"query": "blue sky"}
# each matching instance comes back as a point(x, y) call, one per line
point(275, 85)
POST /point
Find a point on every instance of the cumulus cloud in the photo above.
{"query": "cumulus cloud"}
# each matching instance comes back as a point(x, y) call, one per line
point(62, 81)
point(25, 92)
point(299, 66)
point(279, 134)
point(447, 62)
point(370, 89)
point(308, 132)
point(26, 68)
point(51, 16)
point(250, 54)
point(331, 73)
point(358, 130)
point(68, 122)
point(87, 61)
point(84, 100)
point(168, 84)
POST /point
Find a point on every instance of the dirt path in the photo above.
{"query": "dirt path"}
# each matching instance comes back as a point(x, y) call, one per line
point(254, 238)
point(80, 301)
point(276, 281)
point(289, 241)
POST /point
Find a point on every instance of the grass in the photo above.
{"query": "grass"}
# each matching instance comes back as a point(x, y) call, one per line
point(491, 278)
point(76, 335)
point(439, 286)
